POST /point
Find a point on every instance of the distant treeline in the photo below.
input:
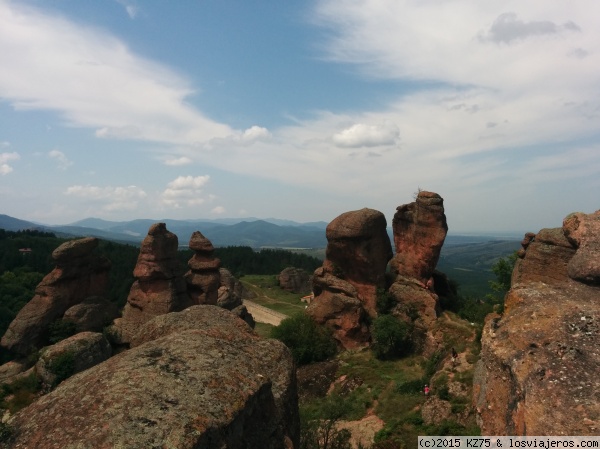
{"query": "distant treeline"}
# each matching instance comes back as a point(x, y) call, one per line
point(241, 260)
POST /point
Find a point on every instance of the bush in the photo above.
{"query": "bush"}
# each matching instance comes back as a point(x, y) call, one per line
point(392, 337)
point(385, 301)
point(308, 341)
point(62, 366)
point(60, 330)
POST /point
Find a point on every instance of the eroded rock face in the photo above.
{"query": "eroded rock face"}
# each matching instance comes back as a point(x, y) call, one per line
point(582, 230)
point(79, 274)
point(231, 291)
point(538, 373)
point(419, 232)
point(86, 348)
point(92, 315)
point(345, 287)
point(295, 280)
point(159, 287)
point(203, 278)
point(220, 386)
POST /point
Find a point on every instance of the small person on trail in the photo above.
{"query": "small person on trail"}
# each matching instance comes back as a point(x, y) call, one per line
point(454, 357)
point(426, 390)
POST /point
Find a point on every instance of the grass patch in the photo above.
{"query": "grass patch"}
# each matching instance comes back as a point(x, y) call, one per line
point(269, 294)
point(20, 393)
point(263, 329)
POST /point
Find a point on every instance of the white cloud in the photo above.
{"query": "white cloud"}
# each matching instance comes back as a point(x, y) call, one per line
point(94, 80)
point(176, 161)
point(362, 135)
point(255, 133)
point(5, 168)
point(131, 7)
point(110, 198)
point(185, 191)
point(61, 158)
point(219, 210)
point(508, 28)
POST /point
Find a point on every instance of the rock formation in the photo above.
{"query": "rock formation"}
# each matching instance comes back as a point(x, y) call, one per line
point(538, 373)
point(295, 280)
point(345, 287)
point(93, 314)
point(159, 287)
point(203, 277)
point(85, 349)
point(78, 274)
point(231, 291)
point(419, 232)
point(205, 385)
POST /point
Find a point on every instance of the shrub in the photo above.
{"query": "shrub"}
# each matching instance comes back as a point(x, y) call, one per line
point(392, 337)
point(385, 301)
point(60, 330)
point(62, 366)
point(308, 341)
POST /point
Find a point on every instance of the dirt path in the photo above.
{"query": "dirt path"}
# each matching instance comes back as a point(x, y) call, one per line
point(263, 314)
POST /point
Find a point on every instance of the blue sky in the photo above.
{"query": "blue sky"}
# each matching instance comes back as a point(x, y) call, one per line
point(123, 109)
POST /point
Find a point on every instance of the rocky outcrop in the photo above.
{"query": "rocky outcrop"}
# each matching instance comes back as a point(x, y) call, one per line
point(159, 286)
point(539, 360)
point(582, 231)
point(419, 232)
point(203, 386)
point(79, 274)
point(231, 291)
point(295, 280)
point(203, 277)
point(71, 356)
point(345, 287)
point(93, 314)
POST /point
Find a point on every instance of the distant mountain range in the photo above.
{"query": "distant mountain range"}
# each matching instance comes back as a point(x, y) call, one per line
point(251, 232)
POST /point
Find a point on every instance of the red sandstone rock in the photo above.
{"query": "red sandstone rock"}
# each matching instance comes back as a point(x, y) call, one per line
point(93, 314)
point(538, 372)
point(295, 280)
point(345, 287)
point(419, 232)
point(208, 387)
point(159, 286)
point(203, 278)
point(79, 274)
point(583, 231)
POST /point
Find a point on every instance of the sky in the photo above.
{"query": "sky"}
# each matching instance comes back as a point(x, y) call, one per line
point(124, 109)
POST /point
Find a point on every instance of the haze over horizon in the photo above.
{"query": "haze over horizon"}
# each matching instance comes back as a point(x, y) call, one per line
point(124, 109)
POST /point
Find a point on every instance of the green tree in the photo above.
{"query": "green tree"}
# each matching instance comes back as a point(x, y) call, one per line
point(308, 341)
point(391, 336)
point(503, 270)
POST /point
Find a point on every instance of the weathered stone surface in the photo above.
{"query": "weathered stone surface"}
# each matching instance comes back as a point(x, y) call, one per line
point(231, 291)
point(345, 287)
point(158, 255)
point(188, 389)
point(79, 274)
point(545, 260)
point(419, 232)
point(583, 231)
point(295, 280)
point(92, 315)
point(358, 250)
point(212, 320)
point(159, 287)
point(87, 348)
point(203, 278)
point(345, 316)
point(243, 313)
point(435, 410)
point(539, 362)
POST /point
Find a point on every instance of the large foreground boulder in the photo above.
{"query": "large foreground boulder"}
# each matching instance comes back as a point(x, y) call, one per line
point(538, 372)
point(192, 388)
